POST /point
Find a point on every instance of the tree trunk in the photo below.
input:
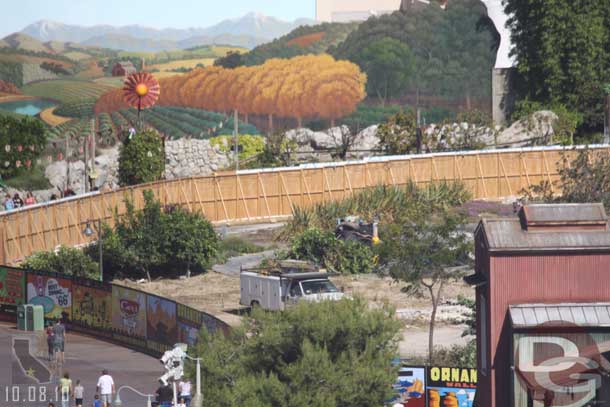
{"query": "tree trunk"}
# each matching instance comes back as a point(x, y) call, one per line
point(381, 98)
point(435, 300)
point(468, 101)
point(417, 98)
point(270, 124)
point(246, 118)
point(299, 122)
point(332, 123)
point(148, 276)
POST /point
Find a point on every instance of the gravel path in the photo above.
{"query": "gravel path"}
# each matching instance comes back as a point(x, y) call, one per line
point(233, 265)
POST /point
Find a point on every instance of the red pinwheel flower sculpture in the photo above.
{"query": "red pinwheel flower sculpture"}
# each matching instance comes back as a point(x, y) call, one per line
point(141, 90)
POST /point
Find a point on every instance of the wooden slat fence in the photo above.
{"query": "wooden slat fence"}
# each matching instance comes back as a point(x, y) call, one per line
point(264, 195)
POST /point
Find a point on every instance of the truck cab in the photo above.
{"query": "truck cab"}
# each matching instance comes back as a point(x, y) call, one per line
point(275, 288)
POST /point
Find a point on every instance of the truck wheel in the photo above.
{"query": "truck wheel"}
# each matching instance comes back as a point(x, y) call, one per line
point(254, 304)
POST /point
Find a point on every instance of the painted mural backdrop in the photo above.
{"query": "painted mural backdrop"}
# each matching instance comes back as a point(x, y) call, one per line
point(189, 324)
point(12, 290)
point(411, 387)
point(161, 326)
point(129, 316)
point(53, 293)
point(451, 386)
point(92, 308)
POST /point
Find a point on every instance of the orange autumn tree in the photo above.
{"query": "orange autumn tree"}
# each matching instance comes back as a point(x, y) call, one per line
point(304, 87)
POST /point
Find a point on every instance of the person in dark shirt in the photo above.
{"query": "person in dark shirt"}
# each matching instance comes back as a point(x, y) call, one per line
point(165, 396)
point(17, 201)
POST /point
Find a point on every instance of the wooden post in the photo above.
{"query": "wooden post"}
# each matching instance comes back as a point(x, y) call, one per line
point(236, 134)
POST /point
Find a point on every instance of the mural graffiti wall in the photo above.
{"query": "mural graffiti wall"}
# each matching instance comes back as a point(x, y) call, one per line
point(12, 290)
point(161, 326)
point(129, 316)
point(411, 387)
point(92, 307)
point(53, 293)
point(451, 386)
point(189, 324)
point(137, 320)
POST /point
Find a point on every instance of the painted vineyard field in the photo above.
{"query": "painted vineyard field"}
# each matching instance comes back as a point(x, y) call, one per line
point(66, 91)
point(178, 122)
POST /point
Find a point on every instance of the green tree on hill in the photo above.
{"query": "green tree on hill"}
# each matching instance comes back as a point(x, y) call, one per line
point(332, 354)
point(388, 64)
point(562, 53)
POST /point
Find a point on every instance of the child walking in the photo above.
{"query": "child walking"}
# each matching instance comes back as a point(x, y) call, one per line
point(79, 392)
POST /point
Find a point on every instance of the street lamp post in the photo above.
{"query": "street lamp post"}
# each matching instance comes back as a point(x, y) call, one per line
point(119, 403)
point(90, 232)
point(198, 399)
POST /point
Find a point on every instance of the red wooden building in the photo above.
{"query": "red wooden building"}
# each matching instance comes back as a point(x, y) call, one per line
point(543, 307)
point(123, 68)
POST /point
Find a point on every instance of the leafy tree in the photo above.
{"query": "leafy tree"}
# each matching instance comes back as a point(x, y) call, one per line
point(231, 60)
point(584, 179)
point(142, 159)
point(425, 254)
point(323, 248)
point(388, 64)
point(456, 355)
point(315, 354)
point(453, 48)
point(158, 241)
point(561, 49)
point(67, 260)
point(21, 142)
point(399, 134)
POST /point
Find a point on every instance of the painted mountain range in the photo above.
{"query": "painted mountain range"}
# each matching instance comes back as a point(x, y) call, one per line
point(248, 31)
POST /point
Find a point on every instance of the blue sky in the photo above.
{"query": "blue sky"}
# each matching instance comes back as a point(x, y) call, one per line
point(16, 14)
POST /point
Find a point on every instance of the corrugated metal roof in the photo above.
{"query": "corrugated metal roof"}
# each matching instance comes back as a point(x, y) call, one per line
point(549, 315)
point(507, 235)
point(565, 213)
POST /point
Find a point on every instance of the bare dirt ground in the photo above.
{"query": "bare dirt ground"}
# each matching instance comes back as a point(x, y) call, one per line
point(217, 293)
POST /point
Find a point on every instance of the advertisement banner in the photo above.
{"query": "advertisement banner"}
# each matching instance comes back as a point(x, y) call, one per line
point(411, 387)
point(451, 386)
point(92, 309)
point(53, 293)
point(12, 290)
point(129, 316)
point(161, 326)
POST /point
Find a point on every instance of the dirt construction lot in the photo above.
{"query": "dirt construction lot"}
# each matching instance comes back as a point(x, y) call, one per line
point(218, 294)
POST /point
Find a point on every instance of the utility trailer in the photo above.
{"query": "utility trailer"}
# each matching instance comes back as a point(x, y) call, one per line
point(274, 288)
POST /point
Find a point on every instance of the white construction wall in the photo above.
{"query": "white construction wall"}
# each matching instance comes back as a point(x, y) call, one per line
point(353, 10)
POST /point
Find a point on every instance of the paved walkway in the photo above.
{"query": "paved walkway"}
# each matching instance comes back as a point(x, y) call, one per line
point(29, 380)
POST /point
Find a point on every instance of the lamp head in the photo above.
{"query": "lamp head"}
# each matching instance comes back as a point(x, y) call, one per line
point(88, 230)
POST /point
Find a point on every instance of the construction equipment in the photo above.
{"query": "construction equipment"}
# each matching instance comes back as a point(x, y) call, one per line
point(354, 228)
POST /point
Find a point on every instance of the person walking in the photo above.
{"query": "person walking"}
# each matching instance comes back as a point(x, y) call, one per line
point(50, 341)
point(184, 388)
point(17, 201)
point(29, 199)
point(105, 387)
point(79, 392)
point(59, 332)
point(65, 390)
point(9, 205)
point(165, 396)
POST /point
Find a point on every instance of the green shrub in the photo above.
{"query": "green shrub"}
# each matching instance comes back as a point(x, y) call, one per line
point(142, 159)
point(398, 134)
point(232, 246)
point(323, 248)
point(158, 242)
point(21, 142)
point(250, 145)
point(69, 261)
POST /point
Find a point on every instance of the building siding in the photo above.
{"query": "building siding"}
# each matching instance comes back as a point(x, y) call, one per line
point(520, 279)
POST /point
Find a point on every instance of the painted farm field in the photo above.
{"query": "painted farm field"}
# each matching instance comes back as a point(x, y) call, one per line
point(65, 90)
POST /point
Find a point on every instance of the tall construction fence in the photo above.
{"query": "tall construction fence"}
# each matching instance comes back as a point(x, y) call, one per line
point(270, 194)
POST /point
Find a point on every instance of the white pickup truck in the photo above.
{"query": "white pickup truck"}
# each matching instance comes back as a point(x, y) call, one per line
point(292, 281)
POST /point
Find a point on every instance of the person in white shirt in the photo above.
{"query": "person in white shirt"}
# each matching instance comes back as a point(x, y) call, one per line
point(105, 387)
point(185, 391)
point(79, 392)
